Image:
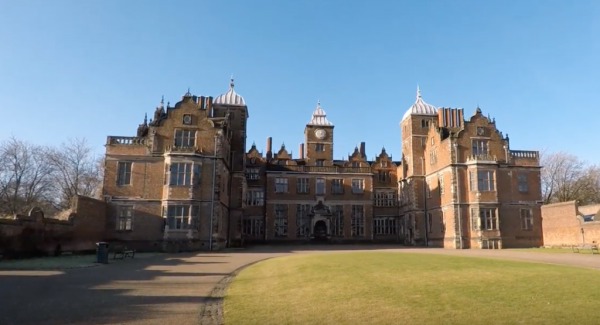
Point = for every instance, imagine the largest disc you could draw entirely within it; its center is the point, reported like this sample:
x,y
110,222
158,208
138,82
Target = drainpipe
x,y
460,233
212,200
425,202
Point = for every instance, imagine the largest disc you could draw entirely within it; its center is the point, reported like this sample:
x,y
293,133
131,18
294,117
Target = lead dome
x,y
420,107
230,97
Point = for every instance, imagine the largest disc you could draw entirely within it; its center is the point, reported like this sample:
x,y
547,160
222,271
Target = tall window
x,y
281,185
337,220
125,218
441,183
302,221
428,189
479,147
302,186
181,174
337,186
124,173
320,186
383,176
384,226
442,222
526,219
178,217
522,183
252,226
482,180
429,222
319,147
185,138
484,219
358,220
255,197
358,185
281,220
253,173
385,198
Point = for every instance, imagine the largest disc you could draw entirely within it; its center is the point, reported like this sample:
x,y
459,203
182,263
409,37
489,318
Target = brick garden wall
x,y
35,234
562,224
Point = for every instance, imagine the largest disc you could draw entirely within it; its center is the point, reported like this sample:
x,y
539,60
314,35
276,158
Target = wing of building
x,y
188,182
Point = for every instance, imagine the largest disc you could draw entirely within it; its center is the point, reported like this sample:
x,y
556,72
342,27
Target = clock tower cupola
x,y
318,139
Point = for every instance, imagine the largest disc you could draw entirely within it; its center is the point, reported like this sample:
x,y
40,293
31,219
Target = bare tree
x,y
565,177
24,176
76,171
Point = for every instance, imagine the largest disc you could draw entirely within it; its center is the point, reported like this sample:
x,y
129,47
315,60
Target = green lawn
x,y
410,288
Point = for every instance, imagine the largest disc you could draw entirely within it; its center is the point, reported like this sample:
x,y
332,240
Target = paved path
x,y
171,289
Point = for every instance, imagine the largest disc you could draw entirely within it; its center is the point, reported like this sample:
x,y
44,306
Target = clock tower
x,y
318,139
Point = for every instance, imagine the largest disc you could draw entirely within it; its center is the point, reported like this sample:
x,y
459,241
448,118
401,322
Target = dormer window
x,y
354,164
384,163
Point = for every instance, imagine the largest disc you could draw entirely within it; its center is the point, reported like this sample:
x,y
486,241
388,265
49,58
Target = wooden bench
x,y
122,253
592,247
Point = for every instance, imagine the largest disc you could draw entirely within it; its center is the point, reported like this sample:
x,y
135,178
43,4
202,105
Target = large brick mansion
x,y
188,181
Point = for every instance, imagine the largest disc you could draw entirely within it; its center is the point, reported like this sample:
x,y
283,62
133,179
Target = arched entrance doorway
x,y
320,230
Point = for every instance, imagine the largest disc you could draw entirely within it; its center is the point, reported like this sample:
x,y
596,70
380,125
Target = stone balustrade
x,y
128,141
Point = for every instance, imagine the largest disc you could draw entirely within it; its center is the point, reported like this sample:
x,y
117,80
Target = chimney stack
x,y
269,148
363,150
301,151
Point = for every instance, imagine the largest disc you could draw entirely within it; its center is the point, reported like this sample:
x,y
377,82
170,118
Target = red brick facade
x,y
188,169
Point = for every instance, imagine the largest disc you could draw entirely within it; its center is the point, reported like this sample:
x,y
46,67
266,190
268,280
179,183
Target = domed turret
x,y
420,107
230,97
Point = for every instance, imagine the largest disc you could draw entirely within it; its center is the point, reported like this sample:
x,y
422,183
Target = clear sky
x,y
72,68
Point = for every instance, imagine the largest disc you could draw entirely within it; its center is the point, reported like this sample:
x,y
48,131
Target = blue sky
x,y
71,68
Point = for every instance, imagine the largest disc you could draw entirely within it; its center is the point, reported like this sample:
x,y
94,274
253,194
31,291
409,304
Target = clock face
x,y
320,133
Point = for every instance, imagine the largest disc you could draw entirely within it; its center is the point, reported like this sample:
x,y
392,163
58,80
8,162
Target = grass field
x,y
410,288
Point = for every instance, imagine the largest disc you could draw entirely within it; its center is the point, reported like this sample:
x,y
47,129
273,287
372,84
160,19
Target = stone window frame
x,y
474,180
253,173
320,162
184,138
188,216
128,181
357,220
303,185
320,186
255,197
526,220
302,220
319,147
358,185
191,173
337,188
252,226
441,183
281,220
337,220
385,198
281,185
383,226
479,146
125,213
480,220
522,182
